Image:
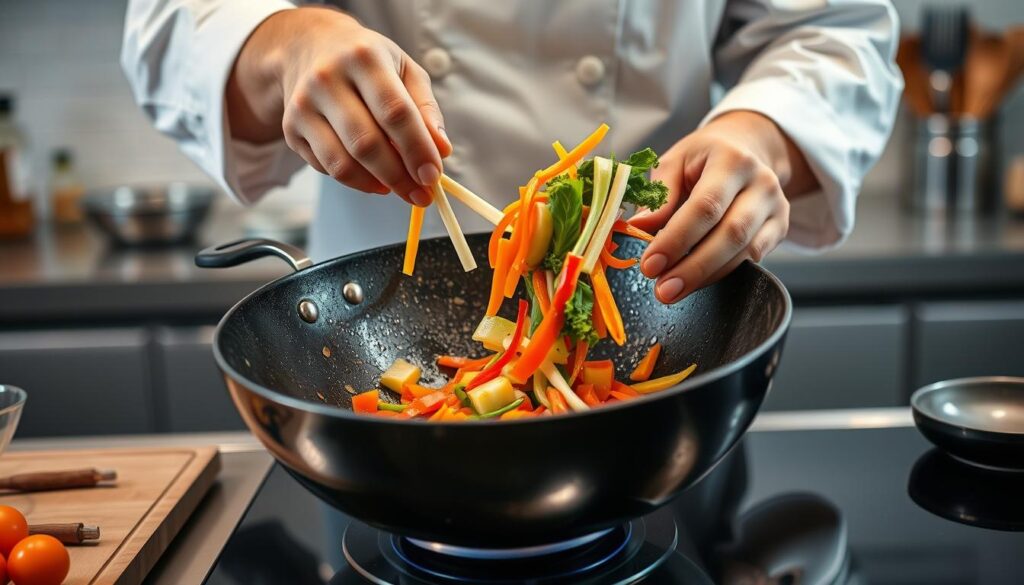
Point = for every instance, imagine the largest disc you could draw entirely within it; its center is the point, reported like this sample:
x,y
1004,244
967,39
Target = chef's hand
x,y
348,100
728,186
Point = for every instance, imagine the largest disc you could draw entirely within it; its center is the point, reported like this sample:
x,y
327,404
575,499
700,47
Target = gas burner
x,y
639,549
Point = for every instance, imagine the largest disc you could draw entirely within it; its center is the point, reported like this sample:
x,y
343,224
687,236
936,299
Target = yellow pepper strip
x,y
561,152
658,384
574,156
412,243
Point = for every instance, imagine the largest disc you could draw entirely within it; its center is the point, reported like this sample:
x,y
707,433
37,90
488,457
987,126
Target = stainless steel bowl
x,y
149,214
976,420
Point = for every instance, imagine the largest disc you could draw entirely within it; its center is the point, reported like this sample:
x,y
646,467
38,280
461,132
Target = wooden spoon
x,y
915,75
986,72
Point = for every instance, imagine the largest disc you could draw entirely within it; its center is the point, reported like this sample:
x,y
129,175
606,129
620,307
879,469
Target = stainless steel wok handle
x,y
244,250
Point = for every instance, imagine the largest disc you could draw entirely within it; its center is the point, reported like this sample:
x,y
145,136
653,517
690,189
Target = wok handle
x,y
244,250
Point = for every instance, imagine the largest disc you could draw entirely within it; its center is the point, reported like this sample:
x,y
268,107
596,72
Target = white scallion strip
x,y
554,378
451,223
602,177
608,216
540,389
471,200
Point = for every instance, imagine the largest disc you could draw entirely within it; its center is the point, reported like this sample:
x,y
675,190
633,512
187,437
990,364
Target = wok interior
x,y
435,312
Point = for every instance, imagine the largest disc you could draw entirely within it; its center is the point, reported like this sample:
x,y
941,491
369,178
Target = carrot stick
x,y
574,156
505,252
600,328
506,220
611,261
540,290
626,228
645,368
558,404
412,242
664,382
560,151
524,229
606,303
579,356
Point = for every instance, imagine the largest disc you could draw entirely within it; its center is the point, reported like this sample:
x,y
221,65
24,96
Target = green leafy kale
x,y
579,324
565,200
640,190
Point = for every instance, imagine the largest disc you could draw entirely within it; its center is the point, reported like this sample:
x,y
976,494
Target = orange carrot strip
x,y
623,227
600,328
645,368
462,363
579,356
622,395
611,261
506,220
606,303
505,252
574,156
561,152
540,290
412,242
587,395
524,230
556,401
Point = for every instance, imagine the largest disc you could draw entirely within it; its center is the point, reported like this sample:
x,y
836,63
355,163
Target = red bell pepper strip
x,y
517,336
425,404
365,403
551,326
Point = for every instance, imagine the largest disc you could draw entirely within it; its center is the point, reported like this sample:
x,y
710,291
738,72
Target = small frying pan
x,y
976,420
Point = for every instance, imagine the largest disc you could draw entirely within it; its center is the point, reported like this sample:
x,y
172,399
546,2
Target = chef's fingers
x,y
376,78
367,143
335,161
761,199
417,81
767,239
720,180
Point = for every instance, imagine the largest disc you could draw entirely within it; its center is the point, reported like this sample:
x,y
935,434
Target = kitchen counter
x,y
76,274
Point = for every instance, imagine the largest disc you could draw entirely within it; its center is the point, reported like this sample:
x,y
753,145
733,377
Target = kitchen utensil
x,y
968,494
944,45
57,480
485,484
915,75
12,400
977,420
953,165
985,74
157,491
149,215
68,533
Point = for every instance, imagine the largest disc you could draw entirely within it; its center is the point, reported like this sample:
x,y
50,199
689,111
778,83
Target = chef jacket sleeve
x,y
177,55
823,71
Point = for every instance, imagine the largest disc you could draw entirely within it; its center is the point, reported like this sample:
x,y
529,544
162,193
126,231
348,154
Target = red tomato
x,y
3,571
39,559
13,528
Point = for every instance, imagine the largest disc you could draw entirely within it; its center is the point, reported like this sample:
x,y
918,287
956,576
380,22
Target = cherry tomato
x,y
13,528
39,559
3,570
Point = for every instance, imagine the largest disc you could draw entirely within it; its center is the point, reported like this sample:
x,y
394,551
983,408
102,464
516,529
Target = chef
x,y
767,113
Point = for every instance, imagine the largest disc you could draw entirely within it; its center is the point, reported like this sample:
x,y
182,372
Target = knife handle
x,y
74,533
56,480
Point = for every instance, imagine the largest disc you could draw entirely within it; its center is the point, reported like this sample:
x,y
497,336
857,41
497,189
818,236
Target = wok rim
x,y
343,413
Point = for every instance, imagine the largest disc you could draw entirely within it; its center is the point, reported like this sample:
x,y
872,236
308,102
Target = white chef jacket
x,y
511,76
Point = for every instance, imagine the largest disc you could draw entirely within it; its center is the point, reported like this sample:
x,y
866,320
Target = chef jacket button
x,y
590,70
437,62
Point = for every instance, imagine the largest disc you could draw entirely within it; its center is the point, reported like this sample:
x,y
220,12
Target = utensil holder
x,y
953,165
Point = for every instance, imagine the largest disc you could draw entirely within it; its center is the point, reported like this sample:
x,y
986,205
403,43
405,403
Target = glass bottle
x,y
65,189
16,217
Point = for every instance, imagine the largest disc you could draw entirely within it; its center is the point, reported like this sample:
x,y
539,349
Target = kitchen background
x,y
88,325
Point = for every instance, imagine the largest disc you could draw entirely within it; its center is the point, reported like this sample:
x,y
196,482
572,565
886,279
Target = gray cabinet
x,y
976,338
193,395
81,381
842,357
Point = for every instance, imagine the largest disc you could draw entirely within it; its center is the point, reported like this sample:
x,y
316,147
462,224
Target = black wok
x,y
289,349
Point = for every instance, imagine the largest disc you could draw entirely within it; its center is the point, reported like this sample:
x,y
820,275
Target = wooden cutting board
x,y
156,491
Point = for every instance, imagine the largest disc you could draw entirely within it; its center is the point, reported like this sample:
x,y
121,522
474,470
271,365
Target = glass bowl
x,y
12,400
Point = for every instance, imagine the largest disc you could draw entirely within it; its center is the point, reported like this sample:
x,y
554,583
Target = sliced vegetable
x,y
565,202
557,402
587,395
499,230
415,391
561,152
622,395
645,367
579,322
506,254
412,242
492,395
399,374
491,371
381,405
540,238
623,227
540,291
426,404
451,224
599,374
608,216
459,362
471,200
460,393
492,331
574,156
658,384
540,389
365,402
559,383
602,182
508,407
613,262
605,303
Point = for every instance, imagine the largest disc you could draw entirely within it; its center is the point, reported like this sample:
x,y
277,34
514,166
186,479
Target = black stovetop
x,y
835,506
